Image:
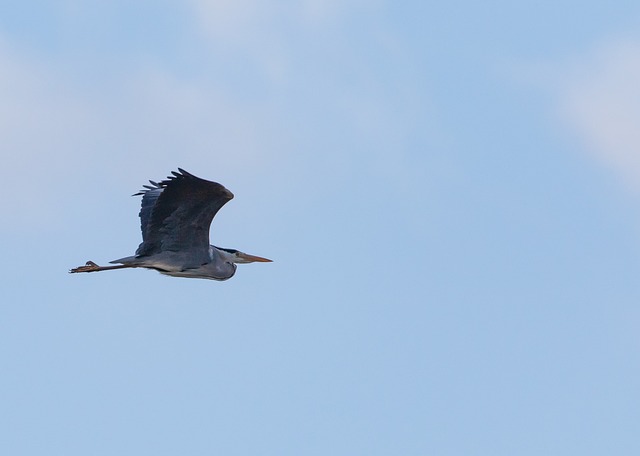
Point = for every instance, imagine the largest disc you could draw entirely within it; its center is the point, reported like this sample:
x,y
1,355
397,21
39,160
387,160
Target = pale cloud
x,y
249,27
311,44
599,99
240,22
234,20
345,111
266,31
42,127
321,10
117,130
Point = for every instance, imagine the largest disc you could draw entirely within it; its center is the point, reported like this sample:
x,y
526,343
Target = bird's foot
x,y
90,266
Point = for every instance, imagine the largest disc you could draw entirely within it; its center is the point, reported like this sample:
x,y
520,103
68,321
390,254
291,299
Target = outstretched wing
x,y
176,213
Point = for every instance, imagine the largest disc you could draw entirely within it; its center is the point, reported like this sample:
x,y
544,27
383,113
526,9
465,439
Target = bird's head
x,y
237,257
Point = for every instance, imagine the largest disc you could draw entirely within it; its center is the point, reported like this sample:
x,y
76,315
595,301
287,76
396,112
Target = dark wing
x,y
176,213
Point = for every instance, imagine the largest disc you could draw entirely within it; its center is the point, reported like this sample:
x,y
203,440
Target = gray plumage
x,y
175,218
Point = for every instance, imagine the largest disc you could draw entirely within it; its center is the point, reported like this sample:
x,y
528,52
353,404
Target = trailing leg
x,y
90,266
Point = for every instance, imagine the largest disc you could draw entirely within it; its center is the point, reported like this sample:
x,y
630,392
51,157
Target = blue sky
x,y
449,192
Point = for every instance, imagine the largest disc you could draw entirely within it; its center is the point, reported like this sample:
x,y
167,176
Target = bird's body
x,y
175,217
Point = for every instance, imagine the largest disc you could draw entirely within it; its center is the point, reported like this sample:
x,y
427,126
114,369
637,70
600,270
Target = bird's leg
x,y
90,266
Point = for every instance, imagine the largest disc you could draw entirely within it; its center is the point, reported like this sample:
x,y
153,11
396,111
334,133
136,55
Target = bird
x,y
175,217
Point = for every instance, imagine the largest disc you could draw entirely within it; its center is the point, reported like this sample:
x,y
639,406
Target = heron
x,y
175,217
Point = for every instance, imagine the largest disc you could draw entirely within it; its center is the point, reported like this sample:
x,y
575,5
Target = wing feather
x,y
176,213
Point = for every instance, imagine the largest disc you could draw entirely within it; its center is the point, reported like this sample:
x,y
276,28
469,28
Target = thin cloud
x,y
148,120
599,99
43,125
340,111
267,32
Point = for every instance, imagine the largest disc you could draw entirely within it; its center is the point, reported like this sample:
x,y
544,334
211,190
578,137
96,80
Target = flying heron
x,y
175,217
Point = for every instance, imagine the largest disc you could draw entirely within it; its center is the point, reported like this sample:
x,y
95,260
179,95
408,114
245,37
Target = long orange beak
x,y
252,258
